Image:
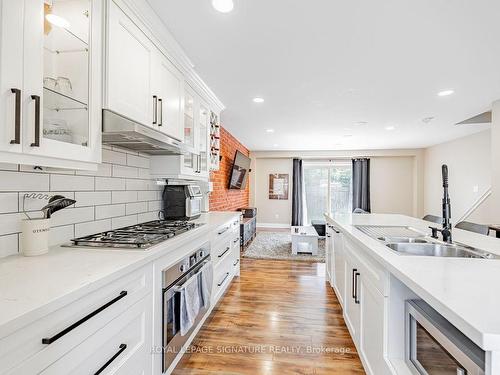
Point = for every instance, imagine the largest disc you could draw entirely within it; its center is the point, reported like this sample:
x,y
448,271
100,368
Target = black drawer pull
x,y
122,347
50,340
155,109
236,240
223,231
356,300
224,279
225,251
160,112
17,120
354,270
235,263
36,98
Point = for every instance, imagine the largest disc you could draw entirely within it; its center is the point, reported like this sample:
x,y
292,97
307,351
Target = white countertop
x,y
464,291
31,287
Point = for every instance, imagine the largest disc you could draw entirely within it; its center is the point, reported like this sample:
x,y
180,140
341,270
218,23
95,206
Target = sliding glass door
x,y
328,188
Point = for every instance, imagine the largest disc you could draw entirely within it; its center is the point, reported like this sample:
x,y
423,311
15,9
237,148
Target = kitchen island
x,y
462,290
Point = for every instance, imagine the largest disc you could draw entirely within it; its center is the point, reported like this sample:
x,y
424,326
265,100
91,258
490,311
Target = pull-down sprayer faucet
x,y
446,231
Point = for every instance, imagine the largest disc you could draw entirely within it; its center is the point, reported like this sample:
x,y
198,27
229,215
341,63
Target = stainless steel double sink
x,y
418,244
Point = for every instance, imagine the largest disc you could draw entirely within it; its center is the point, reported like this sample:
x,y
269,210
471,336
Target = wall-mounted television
x,y
239,172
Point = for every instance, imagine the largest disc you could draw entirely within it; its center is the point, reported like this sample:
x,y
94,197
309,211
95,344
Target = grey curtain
x,y
361,184
297,189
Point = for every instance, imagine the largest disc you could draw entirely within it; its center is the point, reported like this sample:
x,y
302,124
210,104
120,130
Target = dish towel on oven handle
x,y
206,282
190,303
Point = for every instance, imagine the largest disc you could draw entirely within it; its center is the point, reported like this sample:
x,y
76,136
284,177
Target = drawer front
x,y
369,268
121,347
72,324
226,230
235,241
221,251
223,275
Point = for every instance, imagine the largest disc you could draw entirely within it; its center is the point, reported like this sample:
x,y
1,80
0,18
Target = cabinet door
x,y
11,74
62,83
339,274
129,68
204,140
372,346
190,107
328,257
351,305
169,87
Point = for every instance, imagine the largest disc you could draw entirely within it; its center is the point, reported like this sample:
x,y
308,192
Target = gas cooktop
x,y
139,236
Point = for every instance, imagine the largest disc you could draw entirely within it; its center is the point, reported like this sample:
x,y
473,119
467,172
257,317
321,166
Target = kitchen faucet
x,y
446,230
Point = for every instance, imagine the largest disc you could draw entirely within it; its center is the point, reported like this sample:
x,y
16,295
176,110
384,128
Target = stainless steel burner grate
x,y
136,236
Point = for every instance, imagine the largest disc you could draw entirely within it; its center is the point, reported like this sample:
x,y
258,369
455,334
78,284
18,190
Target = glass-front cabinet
x,y
204,123
54,111
190,158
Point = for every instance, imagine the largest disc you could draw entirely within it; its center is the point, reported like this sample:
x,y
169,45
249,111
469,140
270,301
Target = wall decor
x,y
278,186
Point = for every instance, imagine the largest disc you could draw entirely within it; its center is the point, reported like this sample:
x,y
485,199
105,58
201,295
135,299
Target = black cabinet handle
x,y
235,263
236,240
122,347
155,109
160,116
356,300
224,279
223,231
36,98
354,270
17,120
50,340
225,251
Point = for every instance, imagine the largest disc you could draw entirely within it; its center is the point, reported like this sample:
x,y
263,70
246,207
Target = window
x,y
328,188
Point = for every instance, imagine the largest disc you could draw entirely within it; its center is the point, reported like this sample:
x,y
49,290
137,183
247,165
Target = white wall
x,y
469,165
271,211
392,185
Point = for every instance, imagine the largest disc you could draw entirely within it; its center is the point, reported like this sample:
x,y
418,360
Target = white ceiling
x,y
323,65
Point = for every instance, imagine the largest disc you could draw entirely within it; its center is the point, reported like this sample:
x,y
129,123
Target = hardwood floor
x,y
279,317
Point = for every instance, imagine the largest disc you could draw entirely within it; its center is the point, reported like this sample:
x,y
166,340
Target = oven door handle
x,y
179,288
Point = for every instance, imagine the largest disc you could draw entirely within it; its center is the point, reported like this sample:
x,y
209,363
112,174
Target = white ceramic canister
x,y
35,237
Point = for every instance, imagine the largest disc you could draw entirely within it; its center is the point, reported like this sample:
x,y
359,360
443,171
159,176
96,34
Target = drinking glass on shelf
x,y
49,83
64,85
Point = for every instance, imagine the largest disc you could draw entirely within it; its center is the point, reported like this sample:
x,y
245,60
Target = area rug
x,y
278,245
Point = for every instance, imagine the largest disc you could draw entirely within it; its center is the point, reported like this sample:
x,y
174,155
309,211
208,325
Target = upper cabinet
x,y
141,83
129,66
50,81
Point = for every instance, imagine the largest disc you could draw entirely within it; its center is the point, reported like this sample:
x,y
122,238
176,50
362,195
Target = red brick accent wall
x,y
222,198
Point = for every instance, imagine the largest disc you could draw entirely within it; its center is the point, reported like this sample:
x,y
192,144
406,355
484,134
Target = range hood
x,y
118,130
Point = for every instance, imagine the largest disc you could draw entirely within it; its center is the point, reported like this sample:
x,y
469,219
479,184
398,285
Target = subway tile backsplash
x,y
118,194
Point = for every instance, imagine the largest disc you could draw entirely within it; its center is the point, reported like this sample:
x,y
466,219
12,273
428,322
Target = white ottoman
x,y
304,240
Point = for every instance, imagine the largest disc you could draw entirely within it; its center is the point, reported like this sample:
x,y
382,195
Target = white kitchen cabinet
x,y
168,89
142,84
50,78
194,163
352,312
372,343
11,74
339,273
129,64
329,269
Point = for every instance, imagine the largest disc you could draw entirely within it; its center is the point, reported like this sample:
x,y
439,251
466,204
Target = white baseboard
x,y
273,225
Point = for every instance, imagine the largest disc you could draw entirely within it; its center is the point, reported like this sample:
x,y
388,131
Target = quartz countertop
x,y
463,290
31,287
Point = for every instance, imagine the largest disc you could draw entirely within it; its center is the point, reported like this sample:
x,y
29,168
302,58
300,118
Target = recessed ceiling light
x,y
426,120
269,130
347,135
223,6
258,100
390,127
275,145
57,20
445,92
361,123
